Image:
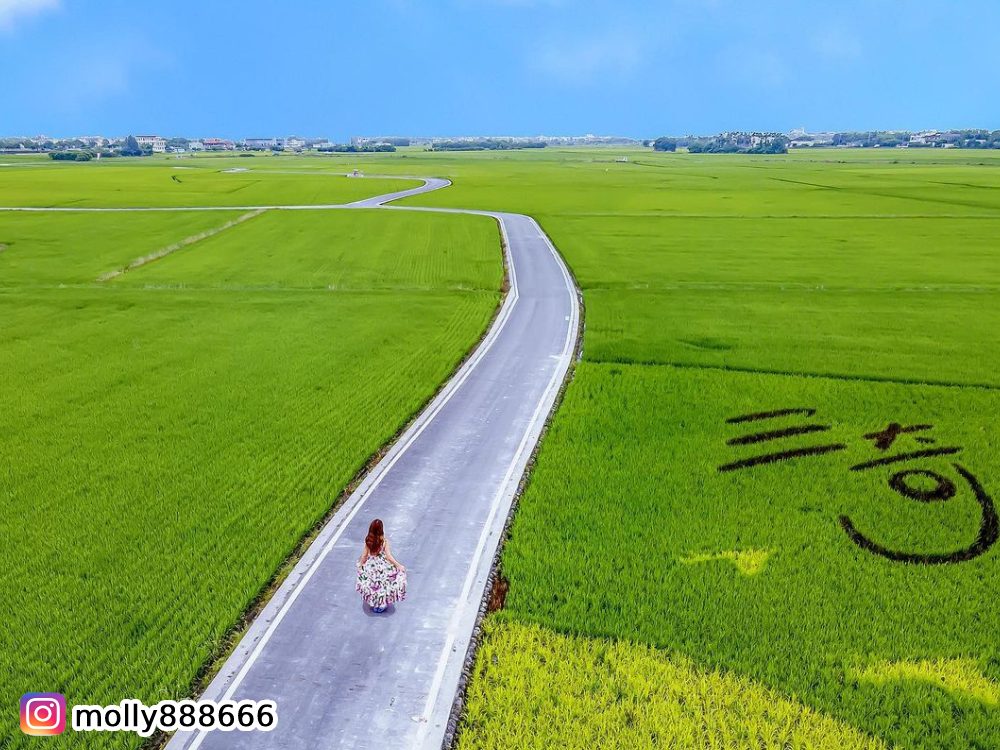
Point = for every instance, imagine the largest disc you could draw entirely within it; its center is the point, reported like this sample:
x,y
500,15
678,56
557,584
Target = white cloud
x,y
14,11
580,60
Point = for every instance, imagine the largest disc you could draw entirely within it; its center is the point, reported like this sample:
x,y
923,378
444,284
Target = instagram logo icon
x,y
43,714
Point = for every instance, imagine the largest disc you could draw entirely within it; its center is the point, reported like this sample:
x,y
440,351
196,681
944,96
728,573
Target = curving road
x,y
343,677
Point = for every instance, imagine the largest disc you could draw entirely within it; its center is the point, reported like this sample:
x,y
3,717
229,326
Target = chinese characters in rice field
x,y
910,480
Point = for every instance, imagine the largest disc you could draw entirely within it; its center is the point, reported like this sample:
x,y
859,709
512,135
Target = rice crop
x,y
634,527
199,182
764,515
75,248
167,439
777,461
343,250
533,688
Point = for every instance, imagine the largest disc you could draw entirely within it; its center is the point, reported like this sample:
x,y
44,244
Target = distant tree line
x,y
978,139
777,143
891,139
24,144
721,145
870,139
485,144
726,143
71,155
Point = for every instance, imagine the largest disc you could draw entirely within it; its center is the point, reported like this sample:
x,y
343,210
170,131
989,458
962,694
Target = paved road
x,y
430,183
343,677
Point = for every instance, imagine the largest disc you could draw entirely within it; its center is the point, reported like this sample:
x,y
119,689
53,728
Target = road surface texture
x,y
343,677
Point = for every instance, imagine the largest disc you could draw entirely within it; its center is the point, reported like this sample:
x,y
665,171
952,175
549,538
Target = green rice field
x,y
629,531
662,594
763,516
191,182
168,435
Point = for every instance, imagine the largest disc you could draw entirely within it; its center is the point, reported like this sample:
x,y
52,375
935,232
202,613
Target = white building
x,y
155,142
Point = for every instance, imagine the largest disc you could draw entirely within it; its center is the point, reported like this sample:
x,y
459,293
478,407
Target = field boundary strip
x,y
163,252
885,194
625,362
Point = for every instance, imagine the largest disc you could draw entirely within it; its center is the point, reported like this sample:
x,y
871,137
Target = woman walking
x,y
381,578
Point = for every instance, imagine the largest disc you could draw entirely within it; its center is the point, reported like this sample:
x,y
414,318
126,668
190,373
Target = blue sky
x,y
456,67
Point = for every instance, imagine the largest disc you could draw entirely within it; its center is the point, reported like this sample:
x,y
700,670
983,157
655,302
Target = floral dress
x,y
380,583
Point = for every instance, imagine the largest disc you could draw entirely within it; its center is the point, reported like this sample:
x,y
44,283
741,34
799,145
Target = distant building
x,y
259,144
154,142
294,144
218,144
932,138
196,145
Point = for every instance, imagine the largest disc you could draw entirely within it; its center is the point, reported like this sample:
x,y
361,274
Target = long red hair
x,y
376,537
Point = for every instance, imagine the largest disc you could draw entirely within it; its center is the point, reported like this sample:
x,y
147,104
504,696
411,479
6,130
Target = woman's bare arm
x,y
364,556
